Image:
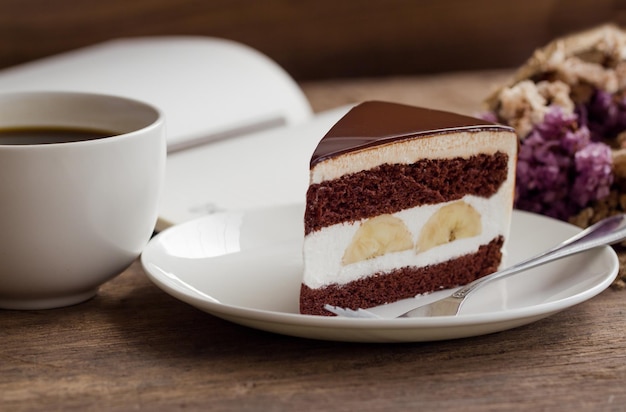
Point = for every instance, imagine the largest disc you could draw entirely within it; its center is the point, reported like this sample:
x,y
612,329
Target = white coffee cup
x,y
73,215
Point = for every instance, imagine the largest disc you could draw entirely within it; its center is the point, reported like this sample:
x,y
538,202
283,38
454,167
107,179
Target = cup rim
x,y
159,117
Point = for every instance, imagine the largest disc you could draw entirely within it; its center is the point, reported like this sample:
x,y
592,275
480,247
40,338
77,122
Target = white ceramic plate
x,y
246,267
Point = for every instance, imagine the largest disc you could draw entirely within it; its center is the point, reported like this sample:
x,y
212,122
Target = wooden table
x,y
133,347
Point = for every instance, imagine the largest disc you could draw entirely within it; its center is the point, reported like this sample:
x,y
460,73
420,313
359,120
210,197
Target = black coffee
x,y
45,135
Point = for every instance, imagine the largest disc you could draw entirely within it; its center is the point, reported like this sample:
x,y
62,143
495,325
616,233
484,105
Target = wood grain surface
x,y
133,347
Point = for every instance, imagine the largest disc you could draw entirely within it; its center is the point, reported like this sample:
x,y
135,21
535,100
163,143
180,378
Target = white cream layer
x,y
324,249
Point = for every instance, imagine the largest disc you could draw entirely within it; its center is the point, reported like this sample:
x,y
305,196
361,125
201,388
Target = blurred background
x,y
315,39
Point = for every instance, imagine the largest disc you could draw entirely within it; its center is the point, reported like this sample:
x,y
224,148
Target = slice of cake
x,y
404,201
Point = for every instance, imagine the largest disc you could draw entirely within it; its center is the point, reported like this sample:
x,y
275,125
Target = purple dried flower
x,y
593,173
556,122
559,169
604,114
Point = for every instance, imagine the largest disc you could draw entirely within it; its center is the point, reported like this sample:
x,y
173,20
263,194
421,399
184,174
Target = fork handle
x,y
607,231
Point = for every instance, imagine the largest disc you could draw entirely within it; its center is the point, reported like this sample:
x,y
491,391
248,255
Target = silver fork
x,y
607,231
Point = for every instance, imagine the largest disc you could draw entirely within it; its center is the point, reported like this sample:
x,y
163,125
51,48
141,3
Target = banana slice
x,y
376,237
454,221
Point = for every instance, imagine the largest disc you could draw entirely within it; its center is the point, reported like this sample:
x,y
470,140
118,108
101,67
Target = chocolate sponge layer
x,y
390,188
403,283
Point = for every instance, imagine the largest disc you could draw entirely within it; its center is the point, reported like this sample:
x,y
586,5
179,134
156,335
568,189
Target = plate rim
x,y
180,290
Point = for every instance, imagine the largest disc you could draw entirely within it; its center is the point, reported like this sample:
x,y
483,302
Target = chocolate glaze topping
x,y
374,123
